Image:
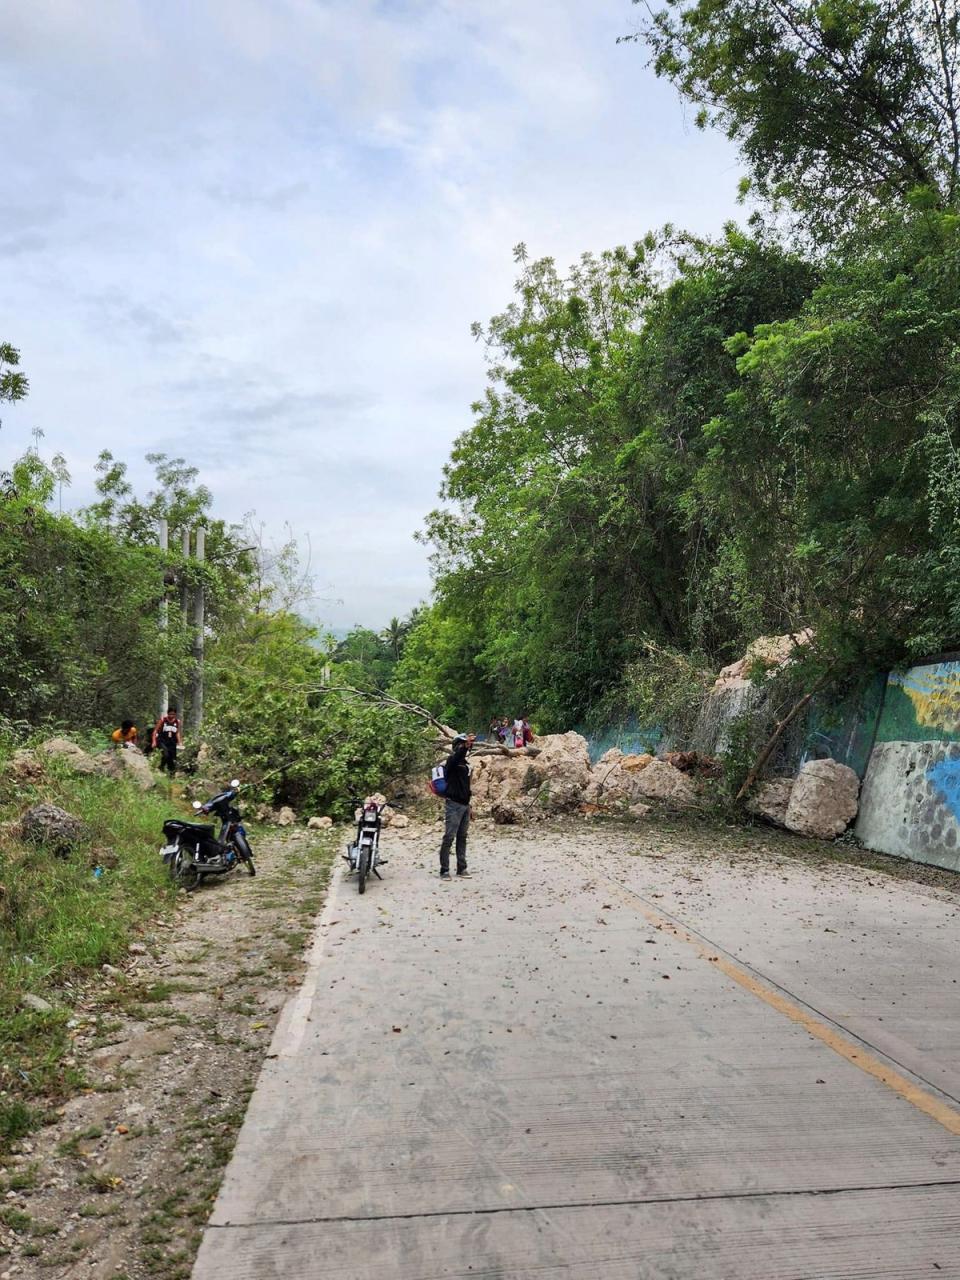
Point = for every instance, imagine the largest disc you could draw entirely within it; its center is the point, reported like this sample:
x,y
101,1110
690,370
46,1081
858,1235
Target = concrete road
x,y
609,1056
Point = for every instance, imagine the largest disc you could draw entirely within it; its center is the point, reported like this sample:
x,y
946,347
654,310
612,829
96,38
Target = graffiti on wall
x,y
910,803
922,704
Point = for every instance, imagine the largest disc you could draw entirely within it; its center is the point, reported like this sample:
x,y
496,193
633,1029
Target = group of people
x,y
165,737
507,734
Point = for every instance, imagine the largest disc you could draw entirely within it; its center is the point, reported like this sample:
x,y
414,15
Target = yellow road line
x,y
855,1053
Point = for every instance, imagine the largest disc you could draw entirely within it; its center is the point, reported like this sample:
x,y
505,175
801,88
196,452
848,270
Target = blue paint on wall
x,y
945,776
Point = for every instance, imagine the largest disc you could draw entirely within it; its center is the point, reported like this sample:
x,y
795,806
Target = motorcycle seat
x,y
201,828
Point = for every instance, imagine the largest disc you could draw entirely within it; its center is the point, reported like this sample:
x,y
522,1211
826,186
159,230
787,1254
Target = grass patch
x,y
16,1120
59,923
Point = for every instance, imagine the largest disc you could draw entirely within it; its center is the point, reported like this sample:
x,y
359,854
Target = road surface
x,y
609,1057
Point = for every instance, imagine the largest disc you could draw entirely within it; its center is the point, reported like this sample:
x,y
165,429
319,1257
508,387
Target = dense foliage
x,y
82,646
839,105
685,444
272,711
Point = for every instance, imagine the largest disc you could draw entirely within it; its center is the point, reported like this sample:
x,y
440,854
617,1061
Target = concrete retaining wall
x,y
910,801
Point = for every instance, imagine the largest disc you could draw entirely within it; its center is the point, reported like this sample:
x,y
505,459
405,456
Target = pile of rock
x,y
514,787
821,801
560,779
51,828
127,762
766,651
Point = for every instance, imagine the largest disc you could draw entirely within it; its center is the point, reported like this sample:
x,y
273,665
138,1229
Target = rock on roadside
x,y
74,757
823,800
50,827
319,824
770,800
36,1003
661,781
128,762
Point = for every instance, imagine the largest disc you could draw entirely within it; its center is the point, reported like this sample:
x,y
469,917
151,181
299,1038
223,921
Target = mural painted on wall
x,y
845,731
922,704
910,804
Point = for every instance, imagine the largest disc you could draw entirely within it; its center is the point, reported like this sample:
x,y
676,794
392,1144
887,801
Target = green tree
x,y
368,656
79,644
439,669
394,635
572,533
269,714
13,382
839,106
832,479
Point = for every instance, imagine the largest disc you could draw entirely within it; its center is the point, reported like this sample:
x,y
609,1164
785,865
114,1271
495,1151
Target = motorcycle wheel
x,y
242,847
171,865
185,873
363,868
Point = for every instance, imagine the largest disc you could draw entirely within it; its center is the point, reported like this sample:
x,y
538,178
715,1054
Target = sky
x,y
254,234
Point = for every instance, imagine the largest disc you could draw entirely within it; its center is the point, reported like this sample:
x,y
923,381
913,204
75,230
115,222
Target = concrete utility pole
x,y
184,605
199,603
163,534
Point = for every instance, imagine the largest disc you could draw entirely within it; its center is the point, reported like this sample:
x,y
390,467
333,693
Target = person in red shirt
x,y
167,736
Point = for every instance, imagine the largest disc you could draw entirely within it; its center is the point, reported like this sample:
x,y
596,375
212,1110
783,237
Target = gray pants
x,y
456,827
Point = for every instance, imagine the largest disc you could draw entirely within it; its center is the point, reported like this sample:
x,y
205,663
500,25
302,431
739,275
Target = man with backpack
x,y
456,773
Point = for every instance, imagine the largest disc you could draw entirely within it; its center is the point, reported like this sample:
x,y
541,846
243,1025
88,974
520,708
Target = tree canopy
x,y
839,106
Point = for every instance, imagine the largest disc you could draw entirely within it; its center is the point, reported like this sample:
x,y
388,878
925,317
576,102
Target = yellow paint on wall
x,y
935,693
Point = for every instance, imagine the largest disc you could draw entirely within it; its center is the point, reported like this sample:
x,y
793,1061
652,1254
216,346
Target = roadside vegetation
x,y
61,920
685,443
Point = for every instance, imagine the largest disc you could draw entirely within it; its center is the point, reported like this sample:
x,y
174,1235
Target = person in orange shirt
x,y
126,735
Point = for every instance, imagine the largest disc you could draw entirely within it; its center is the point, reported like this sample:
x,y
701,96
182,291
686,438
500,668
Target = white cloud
x,y
255,232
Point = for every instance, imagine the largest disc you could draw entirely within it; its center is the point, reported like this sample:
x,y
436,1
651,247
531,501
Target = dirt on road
x,y
171,1046
122,1184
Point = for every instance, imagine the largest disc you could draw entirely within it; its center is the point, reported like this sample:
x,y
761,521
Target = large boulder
x,y
74,757
823,799
26,766
770,652
621,781
497,777
770,800
50,827
129,763
661,781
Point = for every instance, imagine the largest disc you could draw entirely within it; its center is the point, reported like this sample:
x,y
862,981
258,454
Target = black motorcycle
x,y
194,850
363,852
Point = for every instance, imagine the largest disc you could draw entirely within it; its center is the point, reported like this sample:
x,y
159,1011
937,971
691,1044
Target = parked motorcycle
x,y
194,850
363,852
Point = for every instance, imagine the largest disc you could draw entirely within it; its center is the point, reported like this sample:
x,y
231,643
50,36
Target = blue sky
x,y
255,233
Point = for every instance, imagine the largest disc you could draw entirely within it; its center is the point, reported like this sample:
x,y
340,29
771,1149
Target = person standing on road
x,y
456,771
167,735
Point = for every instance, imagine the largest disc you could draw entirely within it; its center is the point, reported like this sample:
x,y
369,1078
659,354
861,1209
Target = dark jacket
x,y
457,773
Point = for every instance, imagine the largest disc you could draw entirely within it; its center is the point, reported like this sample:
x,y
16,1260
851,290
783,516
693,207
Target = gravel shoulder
x,y
170,1046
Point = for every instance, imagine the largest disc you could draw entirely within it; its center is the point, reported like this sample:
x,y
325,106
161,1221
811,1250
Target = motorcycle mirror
x,y
197,804
235,782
